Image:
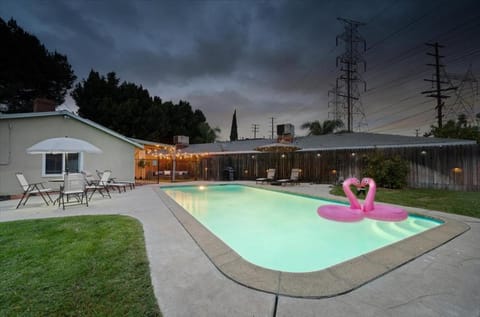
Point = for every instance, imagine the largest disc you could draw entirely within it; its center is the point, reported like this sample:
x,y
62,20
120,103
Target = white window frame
x,y
44,174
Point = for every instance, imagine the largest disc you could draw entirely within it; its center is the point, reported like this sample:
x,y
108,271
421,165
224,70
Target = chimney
x,y
43,105
285,133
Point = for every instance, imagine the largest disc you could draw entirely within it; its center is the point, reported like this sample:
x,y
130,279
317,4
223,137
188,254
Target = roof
x,y
338,141
88,122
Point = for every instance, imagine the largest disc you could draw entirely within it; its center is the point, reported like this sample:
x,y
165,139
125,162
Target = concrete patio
x,y
442,282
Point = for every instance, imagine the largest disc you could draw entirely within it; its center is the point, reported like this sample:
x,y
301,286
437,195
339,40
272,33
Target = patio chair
x,y
100,186
112,184
270,177
294,176
32,189
114,180
74,185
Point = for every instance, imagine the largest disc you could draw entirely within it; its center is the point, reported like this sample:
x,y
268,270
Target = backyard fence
x,y
441,167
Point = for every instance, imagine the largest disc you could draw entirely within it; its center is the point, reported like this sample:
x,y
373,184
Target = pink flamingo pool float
x,y
356,212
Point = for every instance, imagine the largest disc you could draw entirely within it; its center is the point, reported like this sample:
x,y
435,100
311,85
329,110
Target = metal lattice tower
x,y
336,105
350,76
465,99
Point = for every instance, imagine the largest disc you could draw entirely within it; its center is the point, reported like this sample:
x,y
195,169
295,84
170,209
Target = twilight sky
x,y
267,58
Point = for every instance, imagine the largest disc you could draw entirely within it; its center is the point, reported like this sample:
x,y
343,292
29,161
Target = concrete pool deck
x,y
442,282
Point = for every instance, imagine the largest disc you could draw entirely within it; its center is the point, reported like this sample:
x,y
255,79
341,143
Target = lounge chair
x,y
100,186
270,176
112,184
32,189
294,176
121,183
74,185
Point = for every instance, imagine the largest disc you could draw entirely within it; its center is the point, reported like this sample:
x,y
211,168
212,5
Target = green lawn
x,y
75,266
461,203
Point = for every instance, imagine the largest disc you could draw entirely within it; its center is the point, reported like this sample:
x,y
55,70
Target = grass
x,y
75,266
461,203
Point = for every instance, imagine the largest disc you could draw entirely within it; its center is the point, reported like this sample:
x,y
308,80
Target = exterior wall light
x,y
457,170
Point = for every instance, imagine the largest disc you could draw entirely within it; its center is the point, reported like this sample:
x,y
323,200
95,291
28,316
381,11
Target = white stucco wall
x,y
16,135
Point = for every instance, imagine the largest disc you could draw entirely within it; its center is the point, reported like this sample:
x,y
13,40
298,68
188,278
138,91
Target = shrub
x,y
387,172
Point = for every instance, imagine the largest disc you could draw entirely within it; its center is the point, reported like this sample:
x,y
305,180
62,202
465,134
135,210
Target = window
x,y
56,164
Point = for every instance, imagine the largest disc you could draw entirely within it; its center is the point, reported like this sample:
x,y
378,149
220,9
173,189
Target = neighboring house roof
x,y
338,141
365,140
73,116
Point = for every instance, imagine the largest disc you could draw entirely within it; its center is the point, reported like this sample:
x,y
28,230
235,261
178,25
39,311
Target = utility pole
x,y
350,77
437,92
255,128
273,126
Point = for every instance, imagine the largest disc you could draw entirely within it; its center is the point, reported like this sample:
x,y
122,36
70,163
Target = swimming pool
x,y
283,232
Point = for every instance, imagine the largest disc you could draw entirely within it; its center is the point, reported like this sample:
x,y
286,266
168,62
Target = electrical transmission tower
x,y
465,98
337,105
347,83
437,83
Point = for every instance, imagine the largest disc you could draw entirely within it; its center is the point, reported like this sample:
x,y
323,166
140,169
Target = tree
x,y
130,110
327,127
28,70
234,129
460,129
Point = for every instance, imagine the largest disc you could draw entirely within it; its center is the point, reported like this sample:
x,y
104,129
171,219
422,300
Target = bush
x,y
387,172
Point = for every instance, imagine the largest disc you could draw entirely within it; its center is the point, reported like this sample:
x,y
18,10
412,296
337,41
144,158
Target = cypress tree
x,y
233,130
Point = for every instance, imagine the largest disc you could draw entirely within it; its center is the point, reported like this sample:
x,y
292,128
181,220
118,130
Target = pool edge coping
x,y
333,281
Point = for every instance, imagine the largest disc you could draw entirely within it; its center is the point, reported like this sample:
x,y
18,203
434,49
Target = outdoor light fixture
x,y
283,155
423,152
245,171
457,170
253,157
318,154
353,154
334,171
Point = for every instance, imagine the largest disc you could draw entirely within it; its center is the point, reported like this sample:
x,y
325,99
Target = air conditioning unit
x,y
181,140
285,129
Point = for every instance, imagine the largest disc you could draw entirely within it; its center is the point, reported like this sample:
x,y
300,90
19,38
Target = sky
x,y
270,59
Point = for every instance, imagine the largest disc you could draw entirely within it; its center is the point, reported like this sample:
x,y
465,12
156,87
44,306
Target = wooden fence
x,y
445,167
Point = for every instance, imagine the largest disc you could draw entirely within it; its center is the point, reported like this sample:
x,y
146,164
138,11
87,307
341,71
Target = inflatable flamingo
x,y
344,213
380,212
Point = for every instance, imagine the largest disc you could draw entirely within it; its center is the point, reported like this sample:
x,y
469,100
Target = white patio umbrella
x,y
63,145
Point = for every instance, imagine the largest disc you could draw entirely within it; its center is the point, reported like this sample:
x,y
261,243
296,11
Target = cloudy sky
x,y
268,59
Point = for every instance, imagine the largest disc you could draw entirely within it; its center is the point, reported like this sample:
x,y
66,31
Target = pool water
x,y
282,231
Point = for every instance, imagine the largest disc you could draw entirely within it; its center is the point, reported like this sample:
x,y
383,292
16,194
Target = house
x,y
22,130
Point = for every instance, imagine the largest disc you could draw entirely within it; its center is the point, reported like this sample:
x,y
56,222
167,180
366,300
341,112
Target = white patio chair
x,y
294,176
100,186
270,176
112,184
74,185
32,189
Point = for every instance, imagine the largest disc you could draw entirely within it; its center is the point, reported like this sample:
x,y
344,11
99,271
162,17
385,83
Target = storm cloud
x,y
264,58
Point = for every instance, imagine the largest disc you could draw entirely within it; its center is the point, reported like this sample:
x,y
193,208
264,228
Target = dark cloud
x,y
264,58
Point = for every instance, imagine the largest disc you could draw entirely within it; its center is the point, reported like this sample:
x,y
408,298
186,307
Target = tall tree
x,y
28,70
327,127
233,130
130,110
